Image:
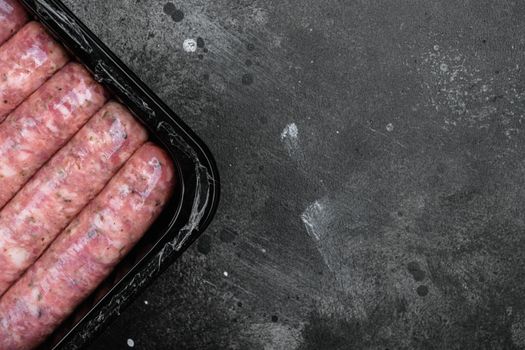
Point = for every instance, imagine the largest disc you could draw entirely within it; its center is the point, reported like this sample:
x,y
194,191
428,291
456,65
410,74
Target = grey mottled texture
x,y
373,172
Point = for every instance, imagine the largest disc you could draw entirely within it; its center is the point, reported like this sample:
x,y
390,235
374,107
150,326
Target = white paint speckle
x,y
263,250
189,45
290,139
290,132
131,343
225,273
146,302
390,127
454,81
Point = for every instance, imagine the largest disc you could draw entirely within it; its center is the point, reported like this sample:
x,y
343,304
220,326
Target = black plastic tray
x,y
185,217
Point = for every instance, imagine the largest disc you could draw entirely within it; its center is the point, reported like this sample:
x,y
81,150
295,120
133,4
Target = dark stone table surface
x,y
372,162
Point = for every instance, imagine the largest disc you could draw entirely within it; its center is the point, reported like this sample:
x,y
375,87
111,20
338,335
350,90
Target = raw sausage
x,y
73,177
27,60
87,251
44,123
12,18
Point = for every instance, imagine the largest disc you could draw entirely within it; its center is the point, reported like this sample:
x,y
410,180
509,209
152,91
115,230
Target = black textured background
x,y
371,153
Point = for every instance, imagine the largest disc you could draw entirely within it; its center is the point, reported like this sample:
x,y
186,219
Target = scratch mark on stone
x,y
240,288
290,138
316,219
311,217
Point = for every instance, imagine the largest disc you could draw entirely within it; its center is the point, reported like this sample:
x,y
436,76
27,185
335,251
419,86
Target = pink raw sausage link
x,y
87,251
12,18
63,187
43,124
27,60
